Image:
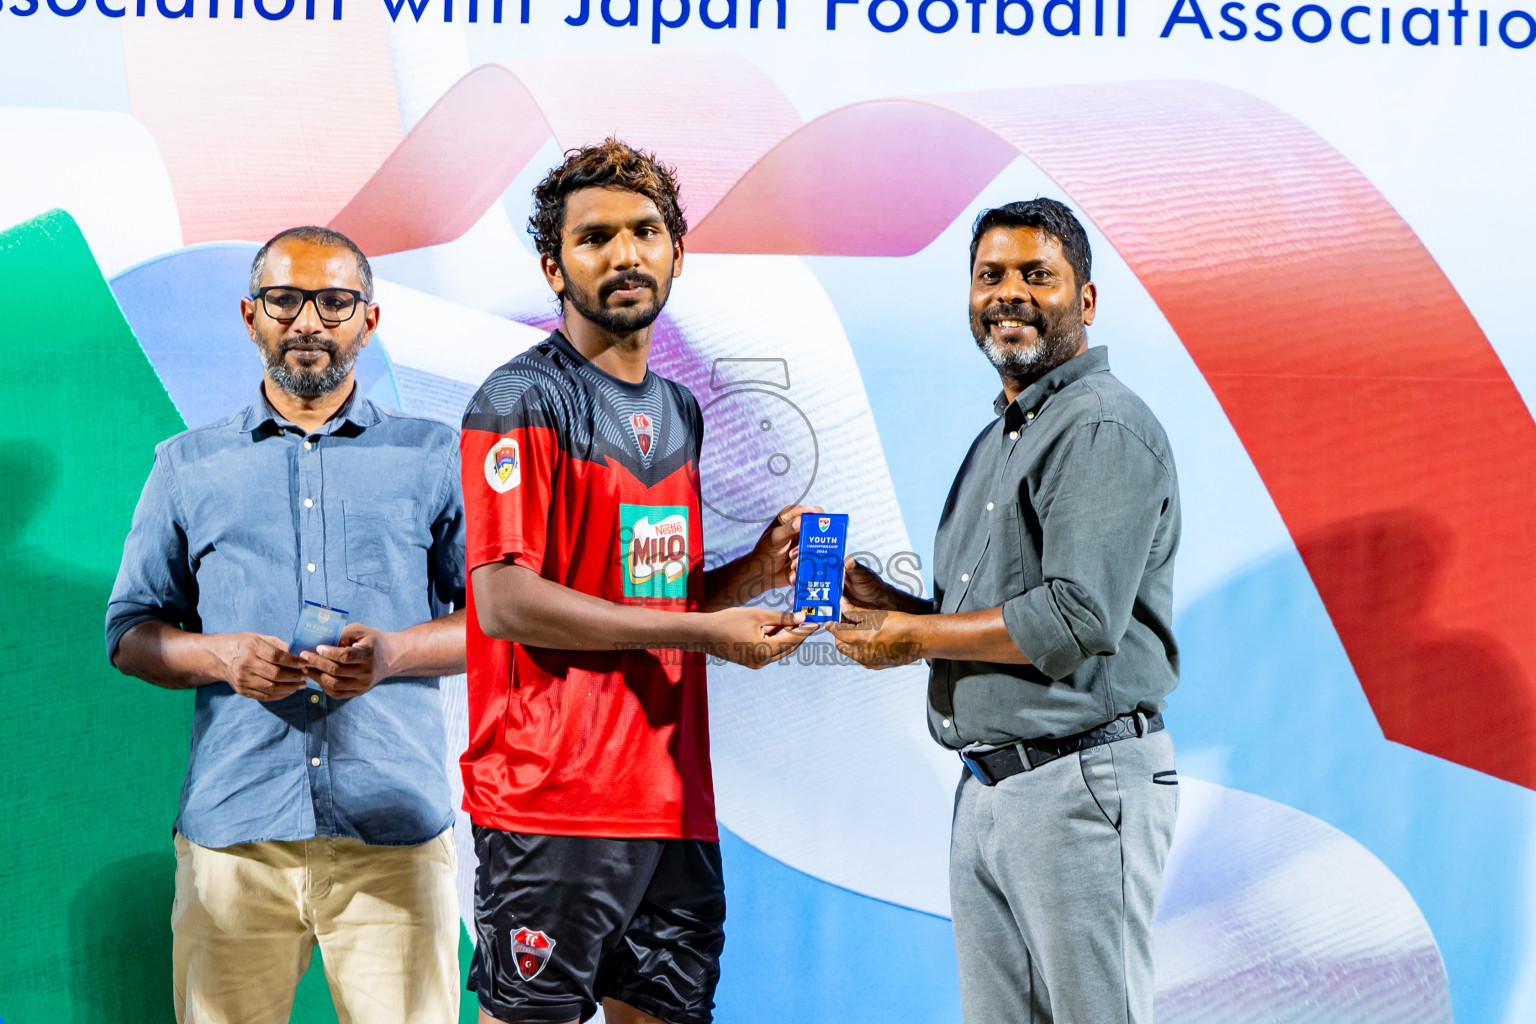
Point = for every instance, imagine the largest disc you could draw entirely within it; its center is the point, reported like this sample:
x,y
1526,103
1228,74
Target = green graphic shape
x,y
643,552
93,761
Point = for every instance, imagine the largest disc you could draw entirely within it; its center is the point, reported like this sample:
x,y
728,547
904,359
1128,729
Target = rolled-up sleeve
x,y
1098,505
447,554
156,579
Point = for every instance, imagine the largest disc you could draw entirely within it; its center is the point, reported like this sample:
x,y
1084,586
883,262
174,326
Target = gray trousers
x,y
1053,878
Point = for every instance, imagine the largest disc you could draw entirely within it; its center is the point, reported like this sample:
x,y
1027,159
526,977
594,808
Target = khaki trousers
x,y
246,919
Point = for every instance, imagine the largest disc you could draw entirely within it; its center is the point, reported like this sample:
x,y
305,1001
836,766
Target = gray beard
x,y
1015,363
1054,345
308,383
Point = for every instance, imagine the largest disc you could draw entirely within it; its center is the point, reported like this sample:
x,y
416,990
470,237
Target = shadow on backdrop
x,y
120,924
96,932
1455,693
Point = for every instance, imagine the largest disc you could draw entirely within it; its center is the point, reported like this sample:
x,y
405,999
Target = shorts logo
x,y
644,432
530,952
653,550
503,467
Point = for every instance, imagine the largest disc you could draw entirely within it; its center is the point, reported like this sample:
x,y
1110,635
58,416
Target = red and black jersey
x,y
591,482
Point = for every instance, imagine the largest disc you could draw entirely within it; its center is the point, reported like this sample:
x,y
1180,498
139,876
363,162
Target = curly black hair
x,y
609,164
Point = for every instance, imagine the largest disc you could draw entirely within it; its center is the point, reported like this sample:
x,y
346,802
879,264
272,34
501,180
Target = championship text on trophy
x,y
819,576
317,625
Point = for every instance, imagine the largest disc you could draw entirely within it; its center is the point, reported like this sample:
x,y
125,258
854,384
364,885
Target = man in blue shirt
x,y
316,804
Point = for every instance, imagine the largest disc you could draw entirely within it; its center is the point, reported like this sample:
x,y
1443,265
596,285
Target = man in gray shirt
x,y
1051,644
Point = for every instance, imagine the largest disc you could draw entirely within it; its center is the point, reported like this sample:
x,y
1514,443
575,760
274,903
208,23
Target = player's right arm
x,y
515,603
511,458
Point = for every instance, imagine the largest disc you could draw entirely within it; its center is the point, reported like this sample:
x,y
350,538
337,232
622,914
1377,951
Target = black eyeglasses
x,y
333,305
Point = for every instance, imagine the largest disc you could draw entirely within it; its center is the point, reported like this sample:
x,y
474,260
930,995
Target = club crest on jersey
x,y
503,466
530,952
653,550
823,522
645,433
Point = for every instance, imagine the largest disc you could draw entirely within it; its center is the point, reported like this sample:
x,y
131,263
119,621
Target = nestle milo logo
x,y
653,550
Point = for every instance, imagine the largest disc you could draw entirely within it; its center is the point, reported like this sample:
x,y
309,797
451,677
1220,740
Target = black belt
x,y
992,766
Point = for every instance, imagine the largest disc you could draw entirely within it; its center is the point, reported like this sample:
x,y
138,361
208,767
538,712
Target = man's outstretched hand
x,y
864,588
876,637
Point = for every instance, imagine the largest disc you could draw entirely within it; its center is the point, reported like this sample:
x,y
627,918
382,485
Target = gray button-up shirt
x,y
1065,514
243,520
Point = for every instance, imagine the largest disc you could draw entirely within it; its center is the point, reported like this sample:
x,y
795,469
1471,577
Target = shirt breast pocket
x,y
1001,573
383,541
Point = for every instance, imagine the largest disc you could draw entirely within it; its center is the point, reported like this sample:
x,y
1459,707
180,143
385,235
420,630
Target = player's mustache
x,y
1028,314
627,279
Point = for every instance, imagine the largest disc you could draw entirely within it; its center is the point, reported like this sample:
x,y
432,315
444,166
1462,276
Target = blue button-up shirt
x,y
242,521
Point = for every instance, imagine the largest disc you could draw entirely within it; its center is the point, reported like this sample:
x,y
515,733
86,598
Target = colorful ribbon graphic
x,y
1388,433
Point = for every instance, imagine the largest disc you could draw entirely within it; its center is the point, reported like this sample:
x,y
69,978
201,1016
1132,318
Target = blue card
x,y
819,577
317,625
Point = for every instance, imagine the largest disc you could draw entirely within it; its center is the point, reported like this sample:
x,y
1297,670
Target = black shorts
x,y
563,921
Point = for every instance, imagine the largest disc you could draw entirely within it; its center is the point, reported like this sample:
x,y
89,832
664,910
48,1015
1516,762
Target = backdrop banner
x,y
1309,248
